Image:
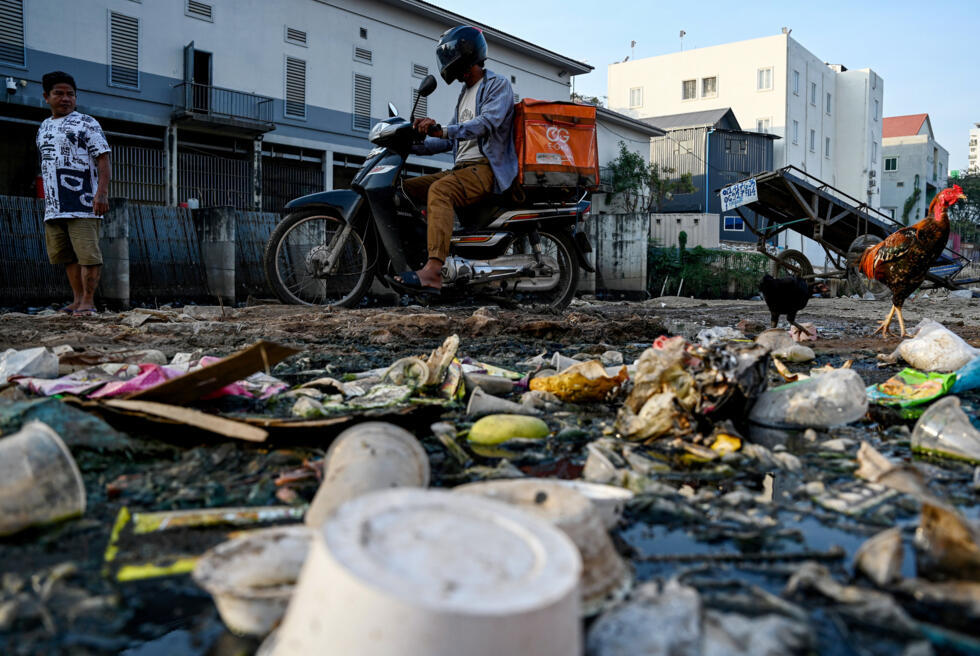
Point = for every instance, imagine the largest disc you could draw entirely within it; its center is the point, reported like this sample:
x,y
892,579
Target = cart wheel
x,y
859,283
791,263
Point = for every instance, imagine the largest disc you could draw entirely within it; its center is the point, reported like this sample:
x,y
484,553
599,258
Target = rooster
x,y
788,296
904,258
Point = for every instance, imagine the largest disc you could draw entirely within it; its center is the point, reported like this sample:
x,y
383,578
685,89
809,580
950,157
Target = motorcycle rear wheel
x,y
556,244
291,254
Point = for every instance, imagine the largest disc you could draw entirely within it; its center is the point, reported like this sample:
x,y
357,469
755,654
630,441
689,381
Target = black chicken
x,y
788,296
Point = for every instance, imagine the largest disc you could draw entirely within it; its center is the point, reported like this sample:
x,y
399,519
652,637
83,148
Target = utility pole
x,y
682,40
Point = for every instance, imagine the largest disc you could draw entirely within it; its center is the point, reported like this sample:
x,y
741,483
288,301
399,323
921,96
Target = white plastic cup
x,y
252,577
945,430
609,500
482,404
364,458
606,578
410,572
39,480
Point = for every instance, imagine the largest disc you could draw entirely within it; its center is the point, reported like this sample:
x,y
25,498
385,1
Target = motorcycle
x,y
332,245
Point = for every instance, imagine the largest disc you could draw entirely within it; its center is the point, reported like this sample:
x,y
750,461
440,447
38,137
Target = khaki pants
x,y
442,192
71,240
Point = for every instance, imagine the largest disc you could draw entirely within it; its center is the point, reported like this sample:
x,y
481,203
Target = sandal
x,y
85,312
410,284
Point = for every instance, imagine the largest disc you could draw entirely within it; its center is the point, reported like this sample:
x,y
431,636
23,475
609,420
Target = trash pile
x,y
723,495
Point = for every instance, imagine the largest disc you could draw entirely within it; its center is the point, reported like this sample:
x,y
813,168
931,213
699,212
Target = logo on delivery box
x,y
557,136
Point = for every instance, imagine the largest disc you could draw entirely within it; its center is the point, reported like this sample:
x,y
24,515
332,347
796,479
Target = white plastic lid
x,y
450,552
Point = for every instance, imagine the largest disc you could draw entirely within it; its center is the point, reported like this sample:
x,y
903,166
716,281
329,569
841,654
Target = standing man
x,y
482,139
76,171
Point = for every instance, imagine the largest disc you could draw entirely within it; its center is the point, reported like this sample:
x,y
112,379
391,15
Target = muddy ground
x,y
83,610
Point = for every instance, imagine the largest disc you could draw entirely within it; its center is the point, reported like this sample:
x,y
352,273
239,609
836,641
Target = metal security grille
x,y
124,50
139,174
295,87
12,32
418,70
201,10
295,36
362,55
423,107
283,180
214,180
362,102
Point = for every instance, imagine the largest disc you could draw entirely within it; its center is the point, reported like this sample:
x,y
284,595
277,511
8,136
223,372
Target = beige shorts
x,y
73,240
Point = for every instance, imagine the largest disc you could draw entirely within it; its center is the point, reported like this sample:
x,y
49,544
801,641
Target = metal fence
x,y
165,255
284,180
252,230
214,180
25,274
139,174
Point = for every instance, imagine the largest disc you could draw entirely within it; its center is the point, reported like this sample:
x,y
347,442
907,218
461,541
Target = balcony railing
x,y
203,101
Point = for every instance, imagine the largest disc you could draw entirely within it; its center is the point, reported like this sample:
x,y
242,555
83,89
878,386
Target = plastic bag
x,y
37,362
832,399
934,348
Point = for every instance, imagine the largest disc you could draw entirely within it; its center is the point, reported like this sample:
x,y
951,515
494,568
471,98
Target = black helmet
x,y
457,51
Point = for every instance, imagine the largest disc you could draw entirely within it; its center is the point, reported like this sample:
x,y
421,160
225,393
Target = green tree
x,y
964,216
662,185
629,175
588,100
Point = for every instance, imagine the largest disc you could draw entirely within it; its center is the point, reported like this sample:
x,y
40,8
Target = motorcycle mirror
x,y
392,111
428,85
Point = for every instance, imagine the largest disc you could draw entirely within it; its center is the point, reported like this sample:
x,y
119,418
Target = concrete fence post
x,y
114,242
216,233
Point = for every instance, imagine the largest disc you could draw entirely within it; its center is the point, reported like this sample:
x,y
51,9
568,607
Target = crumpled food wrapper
x,y
582,383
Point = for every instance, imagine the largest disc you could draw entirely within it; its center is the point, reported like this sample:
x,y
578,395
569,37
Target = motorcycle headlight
x,y
381,131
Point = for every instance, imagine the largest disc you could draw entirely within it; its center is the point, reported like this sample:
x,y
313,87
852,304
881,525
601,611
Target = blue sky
x,y
925,51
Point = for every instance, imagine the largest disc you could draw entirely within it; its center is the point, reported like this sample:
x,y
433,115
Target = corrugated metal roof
x,y
621,119
902,126
717,118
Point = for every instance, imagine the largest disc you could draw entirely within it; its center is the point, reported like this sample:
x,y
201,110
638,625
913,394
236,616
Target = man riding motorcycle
x,y
482,140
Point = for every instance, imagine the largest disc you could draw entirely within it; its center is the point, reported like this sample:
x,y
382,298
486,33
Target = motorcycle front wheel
x,y
297,258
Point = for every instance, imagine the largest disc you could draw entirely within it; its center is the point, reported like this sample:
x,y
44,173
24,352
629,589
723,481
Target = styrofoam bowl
x,y
606,578
252,577
609,500
410,572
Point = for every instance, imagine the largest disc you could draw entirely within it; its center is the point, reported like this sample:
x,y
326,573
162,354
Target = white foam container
x,y
409,572
609,500
252,577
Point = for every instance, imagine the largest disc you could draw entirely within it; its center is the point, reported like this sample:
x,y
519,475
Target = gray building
x,y
711,147
247,104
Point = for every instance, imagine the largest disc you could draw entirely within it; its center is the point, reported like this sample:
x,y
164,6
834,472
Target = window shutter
x,y
362,102
362,55
418,70
296,36
201,10
422,109
12,32
124,50
295,88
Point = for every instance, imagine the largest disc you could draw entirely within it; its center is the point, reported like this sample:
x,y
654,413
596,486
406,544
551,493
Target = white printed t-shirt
x,y
466,111
68,147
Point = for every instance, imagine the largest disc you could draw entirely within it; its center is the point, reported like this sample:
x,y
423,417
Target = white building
x,y
973,164
829,117
915,167
192,92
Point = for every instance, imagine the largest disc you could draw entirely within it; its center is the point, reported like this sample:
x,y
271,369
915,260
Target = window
x,y
890,211
900,183
363,55
362,102
124,51
813,141
828,103
826,147
876,110
200,10
422,109
733,145
764,79
296,37
12,50
709,87
891,164
363,32
813,94
513,79
874,153
762,125
636,97
796,83
295,105
734,224
796,132
689,89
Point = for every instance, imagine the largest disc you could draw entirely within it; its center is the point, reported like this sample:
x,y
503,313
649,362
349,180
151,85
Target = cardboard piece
x,y
177,415
196,384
